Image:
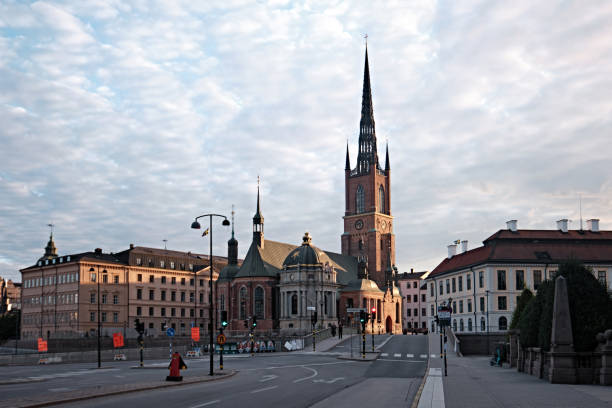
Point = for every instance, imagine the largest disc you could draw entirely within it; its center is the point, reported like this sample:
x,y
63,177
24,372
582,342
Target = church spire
x,y
387,164
50,249
348,160
368,155
258,221
232,245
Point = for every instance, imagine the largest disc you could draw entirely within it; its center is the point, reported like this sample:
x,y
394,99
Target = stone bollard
x,y
605,373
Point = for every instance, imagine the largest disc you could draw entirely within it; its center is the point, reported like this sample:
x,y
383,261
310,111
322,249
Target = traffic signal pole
x,y
372,334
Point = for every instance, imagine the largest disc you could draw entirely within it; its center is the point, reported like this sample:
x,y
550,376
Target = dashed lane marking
x,y
384,354
423,356
410,355
397,355
433,356
264,389
205,404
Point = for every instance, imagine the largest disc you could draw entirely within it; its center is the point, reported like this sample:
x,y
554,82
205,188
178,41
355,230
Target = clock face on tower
x,y
359,224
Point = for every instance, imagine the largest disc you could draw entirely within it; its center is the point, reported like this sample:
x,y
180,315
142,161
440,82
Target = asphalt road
x,y
288,380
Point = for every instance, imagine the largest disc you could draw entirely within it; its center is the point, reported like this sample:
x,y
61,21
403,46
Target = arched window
x,y
460,324
397,312
455,325
259,302
503,323
381,199
243,297
482,324
359,200
294,305
469,324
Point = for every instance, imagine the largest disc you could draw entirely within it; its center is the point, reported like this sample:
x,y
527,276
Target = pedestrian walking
x,y
340,331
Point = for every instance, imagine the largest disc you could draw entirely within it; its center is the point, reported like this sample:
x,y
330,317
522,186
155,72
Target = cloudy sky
x,y
120,121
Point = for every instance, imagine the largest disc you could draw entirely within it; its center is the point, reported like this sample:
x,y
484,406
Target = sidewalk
x,y
472,382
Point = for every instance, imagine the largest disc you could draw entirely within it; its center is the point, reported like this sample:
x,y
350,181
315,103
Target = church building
x,y
282,285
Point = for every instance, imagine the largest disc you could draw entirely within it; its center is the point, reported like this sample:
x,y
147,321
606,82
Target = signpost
x,y
170,334
444,320
313,321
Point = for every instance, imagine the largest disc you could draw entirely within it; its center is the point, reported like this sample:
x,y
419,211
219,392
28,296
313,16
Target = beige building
x,y
62,295
10,296
483,284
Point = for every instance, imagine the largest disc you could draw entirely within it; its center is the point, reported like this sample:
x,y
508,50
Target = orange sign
x,y
117,340
42,345
195,333
221,339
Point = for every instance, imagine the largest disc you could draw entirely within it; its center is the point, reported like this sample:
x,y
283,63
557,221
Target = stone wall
x,y
476,343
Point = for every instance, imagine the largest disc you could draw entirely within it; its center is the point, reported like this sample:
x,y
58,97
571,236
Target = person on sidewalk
x,y
340,330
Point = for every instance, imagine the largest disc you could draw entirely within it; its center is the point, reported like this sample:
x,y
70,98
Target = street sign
x,y
195,333
117,340
221,339
170,332
355,309
311,308
444,314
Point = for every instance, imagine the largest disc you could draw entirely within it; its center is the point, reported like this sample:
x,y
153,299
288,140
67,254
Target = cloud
x,y
121,122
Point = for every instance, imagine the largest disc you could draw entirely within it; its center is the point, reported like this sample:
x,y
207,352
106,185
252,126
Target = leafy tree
x,y
8,324
522,301
590,309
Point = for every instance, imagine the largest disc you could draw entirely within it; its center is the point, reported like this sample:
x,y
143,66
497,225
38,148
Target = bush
x,y
522,301
590,309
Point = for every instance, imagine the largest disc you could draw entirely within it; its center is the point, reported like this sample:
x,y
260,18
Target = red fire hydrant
x,y
176,365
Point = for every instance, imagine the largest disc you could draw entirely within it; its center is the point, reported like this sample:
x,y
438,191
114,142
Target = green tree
x,y
9,325
522,301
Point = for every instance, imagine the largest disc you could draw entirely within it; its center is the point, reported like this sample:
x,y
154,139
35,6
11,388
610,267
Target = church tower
x,y
368,224
258,223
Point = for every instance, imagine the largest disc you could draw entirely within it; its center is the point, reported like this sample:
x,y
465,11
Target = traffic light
x,y
314,318
224,319
362,316
246,324
254,321
373,313
139,326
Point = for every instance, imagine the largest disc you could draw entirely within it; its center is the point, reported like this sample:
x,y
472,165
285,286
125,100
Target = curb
x,y
417,396
21,381
95,394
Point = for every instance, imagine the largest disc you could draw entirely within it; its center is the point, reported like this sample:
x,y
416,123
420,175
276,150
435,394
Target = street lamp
x,y
196,225
97,279
488,346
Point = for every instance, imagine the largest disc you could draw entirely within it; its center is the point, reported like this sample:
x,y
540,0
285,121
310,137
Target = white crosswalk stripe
x,y
397,355
433,356
384,354
423,356
410,355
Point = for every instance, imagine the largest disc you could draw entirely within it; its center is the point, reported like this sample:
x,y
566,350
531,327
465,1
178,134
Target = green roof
x,y
268,262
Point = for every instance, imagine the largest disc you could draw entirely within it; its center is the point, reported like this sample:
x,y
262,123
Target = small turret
x,y
258,223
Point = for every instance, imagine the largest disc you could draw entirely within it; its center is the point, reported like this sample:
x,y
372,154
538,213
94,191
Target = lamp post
x,y
196,225
97,278
487,292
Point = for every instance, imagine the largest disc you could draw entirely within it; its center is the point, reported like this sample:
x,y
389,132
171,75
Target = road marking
x,y
402,361
433,356
383,343
384,354
333,380
61,389
268,377
309,377
205,404
264,389
410,355
397,355
423,356
295,366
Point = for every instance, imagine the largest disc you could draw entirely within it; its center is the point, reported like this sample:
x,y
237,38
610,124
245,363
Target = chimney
x,y
511,225
593,225
464,246
562,225
98,251
131,246
452,250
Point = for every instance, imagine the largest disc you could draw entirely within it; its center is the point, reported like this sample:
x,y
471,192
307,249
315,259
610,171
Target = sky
x,y
120,121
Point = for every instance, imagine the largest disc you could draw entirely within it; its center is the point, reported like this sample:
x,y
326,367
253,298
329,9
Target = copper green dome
x,y
305,255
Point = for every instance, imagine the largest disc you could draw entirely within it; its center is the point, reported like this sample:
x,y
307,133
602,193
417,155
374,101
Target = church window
x,y
381,199
259,302
294,304
243,295
359,200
